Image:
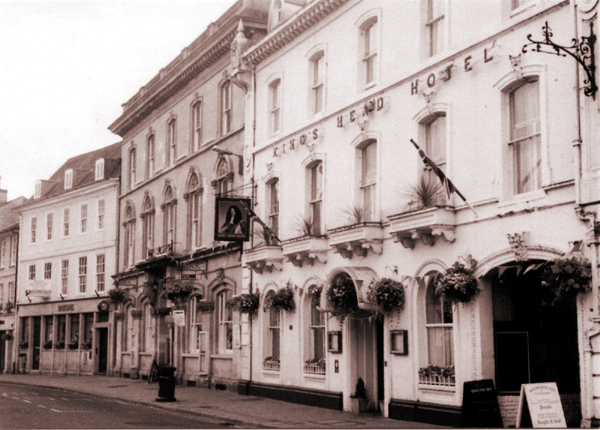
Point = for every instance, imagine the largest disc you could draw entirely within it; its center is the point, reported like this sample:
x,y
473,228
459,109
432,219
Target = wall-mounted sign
x,y
232,219
179,318
307,137
38,293
66,308
103,306
445,74
365,109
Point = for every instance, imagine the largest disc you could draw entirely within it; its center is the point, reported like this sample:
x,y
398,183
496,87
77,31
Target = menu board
x,y
480,405
540,406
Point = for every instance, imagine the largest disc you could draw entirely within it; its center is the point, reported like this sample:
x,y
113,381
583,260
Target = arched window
x,y
224,177
368,180
439,331
272,344
224,322
525,137
129,236
194,200
314,353
148,217
149,328
170,210
315,179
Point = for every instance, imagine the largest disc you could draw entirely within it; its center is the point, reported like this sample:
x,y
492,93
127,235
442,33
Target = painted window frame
x,y
275,91
64,276
317,78
83,269
66,221
100,272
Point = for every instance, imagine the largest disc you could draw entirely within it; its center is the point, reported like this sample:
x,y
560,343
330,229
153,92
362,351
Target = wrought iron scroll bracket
x,y
582,51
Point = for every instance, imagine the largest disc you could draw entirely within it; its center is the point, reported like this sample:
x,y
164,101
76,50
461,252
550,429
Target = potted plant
x,y
425,193
249,302
387,294
359,401
565,277
342,295
458,284
283,299
48,344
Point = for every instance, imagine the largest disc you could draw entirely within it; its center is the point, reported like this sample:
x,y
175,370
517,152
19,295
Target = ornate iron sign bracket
x,y
582,51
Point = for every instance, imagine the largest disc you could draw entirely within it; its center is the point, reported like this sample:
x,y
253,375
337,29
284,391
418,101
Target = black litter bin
x,y
166,384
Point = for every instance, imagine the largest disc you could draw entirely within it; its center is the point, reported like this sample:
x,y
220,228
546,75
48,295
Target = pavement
x,y
226,407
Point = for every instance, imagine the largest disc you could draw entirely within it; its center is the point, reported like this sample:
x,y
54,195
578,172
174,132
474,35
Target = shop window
x,y
61,328
24,330
525,137
88,329
74,332
49,334
225,322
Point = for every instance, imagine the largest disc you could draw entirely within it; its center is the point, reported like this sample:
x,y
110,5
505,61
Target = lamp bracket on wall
x,y
582,51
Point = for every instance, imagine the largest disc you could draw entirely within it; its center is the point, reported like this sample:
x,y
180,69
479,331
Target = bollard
x,y
166,384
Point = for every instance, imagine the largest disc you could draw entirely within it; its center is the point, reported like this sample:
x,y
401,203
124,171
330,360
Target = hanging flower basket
x,y
387,294
282,299
432,370
566,277
458,284
342,295
249,303
314,292
117,295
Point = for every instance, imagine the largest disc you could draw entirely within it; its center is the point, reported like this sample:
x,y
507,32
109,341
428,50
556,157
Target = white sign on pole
x,y
179,318
541,403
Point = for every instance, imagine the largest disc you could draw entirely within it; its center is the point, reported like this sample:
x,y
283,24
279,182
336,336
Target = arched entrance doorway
x,y
533,341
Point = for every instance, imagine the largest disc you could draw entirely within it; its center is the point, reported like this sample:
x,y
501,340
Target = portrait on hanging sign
x,y
232,218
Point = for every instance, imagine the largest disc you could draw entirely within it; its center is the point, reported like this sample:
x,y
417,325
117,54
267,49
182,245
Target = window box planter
x,y
315,367
306,250
425,225
264,258
357,239
271,364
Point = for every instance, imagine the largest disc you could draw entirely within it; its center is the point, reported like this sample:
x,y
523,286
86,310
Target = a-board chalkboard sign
x,y
480,405
540,406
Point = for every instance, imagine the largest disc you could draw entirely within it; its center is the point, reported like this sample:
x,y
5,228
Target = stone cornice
x,y
309,17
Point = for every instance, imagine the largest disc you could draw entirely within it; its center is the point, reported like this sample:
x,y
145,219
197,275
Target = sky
x,y
67,66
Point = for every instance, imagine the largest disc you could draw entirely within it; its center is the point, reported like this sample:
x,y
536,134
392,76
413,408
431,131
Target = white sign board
x,y
541,402
179,318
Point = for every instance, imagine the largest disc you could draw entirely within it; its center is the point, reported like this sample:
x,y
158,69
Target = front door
x,y
364,358
102,349
37,327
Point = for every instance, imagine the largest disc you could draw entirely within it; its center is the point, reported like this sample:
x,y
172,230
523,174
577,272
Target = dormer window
x,y
99,169
68,179
38,190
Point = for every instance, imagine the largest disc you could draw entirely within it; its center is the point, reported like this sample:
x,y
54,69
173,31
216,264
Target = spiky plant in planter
x,y
425,193
356,213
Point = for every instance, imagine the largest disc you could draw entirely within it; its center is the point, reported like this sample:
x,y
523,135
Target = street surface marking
x,y
50,398
55,410
42,406
16,398
27,401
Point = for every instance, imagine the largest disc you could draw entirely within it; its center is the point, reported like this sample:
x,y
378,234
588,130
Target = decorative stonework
x,y
425,225
264,258
517,242
306,250
357,239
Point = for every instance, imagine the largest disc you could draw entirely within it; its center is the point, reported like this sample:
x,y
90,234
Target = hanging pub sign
x,y
232,218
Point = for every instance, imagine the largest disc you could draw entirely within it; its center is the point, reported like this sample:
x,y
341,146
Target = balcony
x,y
157,257
306,250
425,225
266,257
357,239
